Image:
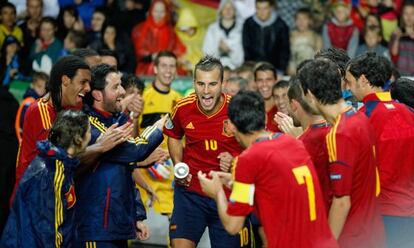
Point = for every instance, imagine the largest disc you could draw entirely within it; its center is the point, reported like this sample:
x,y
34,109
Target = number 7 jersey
x,y
205,135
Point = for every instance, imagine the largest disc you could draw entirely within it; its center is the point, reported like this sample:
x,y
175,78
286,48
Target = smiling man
x,y
201,119
68,84
266,77
110,210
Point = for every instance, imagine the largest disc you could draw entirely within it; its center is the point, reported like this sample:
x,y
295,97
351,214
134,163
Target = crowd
x,y
322,159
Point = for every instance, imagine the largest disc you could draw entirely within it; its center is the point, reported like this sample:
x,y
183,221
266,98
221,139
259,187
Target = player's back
x,y
393,124
351,148
314,139
287,195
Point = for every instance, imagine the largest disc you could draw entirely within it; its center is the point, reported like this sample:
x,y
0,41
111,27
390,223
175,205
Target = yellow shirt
x,y
16,32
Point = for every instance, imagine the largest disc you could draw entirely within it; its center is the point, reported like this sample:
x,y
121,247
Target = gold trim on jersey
x,y
58,182
384,96
183,101
219,110
44,114
242,193
331,141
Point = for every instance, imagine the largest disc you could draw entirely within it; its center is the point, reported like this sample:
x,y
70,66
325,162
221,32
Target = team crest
x,y
168,123
226,131
70,197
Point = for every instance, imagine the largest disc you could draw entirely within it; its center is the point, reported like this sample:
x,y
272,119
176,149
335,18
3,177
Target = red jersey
x,y
271,125
38,120
351,148
314,140
205,136
394,130
277,178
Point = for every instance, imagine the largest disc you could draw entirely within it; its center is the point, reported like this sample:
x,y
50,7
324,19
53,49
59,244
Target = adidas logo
x,y
190,126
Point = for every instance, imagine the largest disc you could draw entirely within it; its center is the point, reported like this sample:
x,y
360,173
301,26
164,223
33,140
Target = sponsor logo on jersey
x,y
336,176
190,126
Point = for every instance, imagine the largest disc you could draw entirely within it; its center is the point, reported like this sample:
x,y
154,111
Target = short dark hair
x,y
337,55
264,66
77,37
84,53
8,5
323,79
295,92
130,80
280,85
271,2
49,19
107,52
164,53
377,70
247,112
209,63
70,126
304,11
403,91
98,81
65,66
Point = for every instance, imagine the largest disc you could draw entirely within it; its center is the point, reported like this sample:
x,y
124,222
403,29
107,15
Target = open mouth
x,y
207,100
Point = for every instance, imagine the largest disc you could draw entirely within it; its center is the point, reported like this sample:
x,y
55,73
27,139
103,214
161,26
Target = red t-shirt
x,y
314,139
394,130
37,123
351,148
205,136
277,178
271,125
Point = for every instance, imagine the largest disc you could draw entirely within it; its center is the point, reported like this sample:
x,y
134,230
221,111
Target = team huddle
x,y
310,171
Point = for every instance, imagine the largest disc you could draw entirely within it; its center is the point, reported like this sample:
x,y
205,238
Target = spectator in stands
x,y
155,34
288,9
389,11
402,42
191,34
304,42
134,13
340,31
86,9
8,23
73,40
118,42
47,48
271,32
224,37
30,27
98,18
9,61
68,19
36,90
372,42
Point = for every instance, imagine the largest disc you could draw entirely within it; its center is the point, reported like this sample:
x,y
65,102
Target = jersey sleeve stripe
x,y
43,107
96,124
331,142
58,181
180,104
41,115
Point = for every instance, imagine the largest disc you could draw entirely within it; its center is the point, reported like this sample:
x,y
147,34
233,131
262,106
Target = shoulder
x,y
186,101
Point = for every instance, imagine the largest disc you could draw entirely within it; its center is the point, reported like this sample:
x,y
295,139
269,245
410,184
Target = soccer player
x,y
313,137
393,124
202,119
42,214
68,84
109,210
159,100
265,76
354,215
275,176
279,93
